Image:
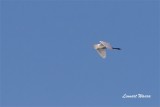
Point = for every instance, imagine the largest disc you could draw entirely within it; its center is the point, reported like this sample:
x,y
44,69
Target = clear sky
x,y
48,60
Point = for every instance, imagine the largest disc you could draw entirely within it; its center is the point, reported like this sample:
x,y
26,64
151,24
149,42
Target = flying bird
x,y
102,46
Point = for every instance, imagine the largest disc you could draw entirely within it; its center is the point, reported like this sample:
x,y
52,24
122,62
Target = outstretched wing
x,y
106,44
102,52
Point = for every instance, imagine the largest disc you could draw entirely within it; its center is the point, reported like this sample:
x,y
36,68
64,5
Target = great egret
x,y
100,48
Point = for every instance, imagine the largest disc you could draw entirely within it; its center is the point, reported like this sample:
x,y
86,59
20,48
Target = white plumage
x,y
101,48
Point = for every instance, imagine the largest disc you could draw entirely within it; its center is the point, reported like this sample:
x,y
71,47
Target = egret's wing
x,y
106,44
102,52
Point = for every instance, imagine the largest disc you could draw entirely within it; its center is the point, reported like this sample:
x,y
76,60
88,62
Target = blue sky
x,y
48,60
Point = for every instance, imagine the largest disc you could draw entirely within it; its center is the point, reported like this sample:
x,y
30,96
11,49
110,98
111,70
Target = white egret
x,y
102,46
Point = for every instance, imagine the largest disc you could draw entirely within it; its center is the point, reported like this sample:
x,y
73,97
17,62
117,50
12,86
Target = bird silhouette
x,y
102,46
